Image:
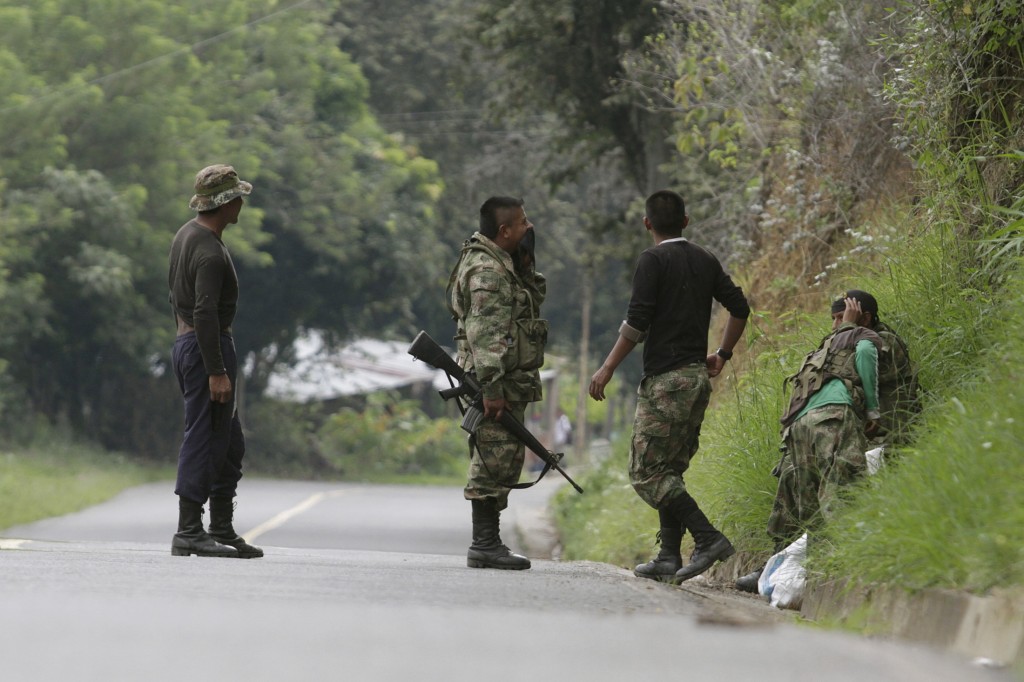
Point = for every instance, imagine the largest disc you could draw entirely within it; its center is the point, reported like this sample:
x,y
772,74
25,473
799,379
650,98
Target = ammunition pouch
x,y
526,345
472,418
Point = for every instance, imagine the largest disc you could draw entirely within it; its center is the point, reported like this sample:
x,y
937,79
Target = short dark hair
x,y
868,304
666,212
489,214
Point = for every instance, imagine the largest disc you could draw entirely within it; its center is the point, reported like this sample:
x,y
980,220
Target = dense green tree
x,y
566,57
107,110
777,109
436,85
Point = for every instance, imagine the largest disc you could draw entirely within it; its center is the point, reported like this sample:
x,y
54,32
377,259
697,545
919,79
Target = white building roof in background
x,y
360,367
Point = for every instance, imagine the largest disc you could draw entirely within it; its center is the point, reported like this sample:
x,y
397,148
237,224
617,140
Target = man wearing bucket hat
x,y
204,295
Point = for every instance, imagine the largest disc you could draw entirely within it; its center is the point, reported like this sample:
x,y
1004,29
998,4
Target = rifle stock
x,y
425,349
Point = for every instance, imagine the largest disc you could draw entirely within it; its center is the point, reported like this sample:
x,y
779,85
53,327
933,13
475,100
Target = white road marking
x,y
288,514
11,543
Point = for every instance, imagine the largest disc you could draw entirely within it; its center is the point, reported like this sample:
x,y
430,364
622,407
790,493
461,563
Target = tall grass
x,y
609,523
731,475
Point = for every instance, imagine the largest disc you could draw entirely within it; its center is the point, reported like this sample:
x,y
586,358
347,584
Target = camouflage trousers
x,y
823,452
496,461
666,432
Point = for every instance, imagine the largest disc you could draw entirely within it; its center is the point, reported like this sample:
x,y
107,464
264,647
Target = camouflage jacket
x,y
499,334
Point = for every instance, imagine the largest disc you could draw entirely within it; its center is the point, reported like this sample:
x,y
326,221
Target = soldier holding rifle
x,y
494,295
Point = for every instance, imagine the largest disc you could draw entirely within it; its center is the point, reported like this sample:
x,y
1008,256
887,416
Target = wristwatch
x,y
724,354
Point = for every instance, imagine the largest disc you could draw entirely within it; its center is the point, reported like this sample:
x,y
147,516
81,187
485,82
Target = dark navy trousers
x,y
210,459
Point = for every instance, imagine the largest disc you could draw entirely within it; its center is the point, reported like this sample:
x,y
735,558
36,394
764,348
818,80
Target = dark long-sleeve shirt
x,y
204,289
673,288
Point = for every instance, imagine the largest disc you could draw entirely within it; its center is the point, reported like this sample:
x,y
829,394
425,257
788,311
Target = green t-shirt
x,y
835,392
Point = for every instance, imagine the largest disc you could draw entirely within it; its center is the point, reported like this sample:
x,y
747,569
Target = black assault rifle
x,y
426,349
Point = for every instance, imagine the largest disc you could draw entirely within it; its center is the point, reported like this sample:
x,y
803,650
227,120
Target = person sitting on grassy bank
x,y
832,412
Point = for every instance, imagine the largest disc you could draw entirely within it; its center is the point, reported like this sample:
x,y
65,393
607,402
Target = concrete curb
x,y
987,627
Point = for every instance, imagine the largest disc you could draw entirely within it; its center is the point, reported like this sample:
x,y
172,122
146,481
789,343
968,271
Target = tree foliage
x,y
564,57
777,108
108,110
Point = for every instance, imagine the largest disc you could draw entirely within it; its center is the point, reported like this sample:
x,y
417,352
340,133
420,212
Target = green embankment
x,y
944,512
59,477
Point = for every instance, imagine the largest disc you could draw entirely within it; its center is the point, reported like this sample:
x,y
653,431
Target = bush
x,y
392,437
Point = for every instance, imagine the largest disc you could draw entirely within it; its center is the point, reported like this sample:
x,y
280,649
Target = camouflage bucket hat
x,y
217,185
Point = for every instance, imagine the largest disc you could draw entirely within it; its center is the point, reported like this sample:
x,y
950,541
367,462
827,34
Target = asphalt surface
x,y
370,582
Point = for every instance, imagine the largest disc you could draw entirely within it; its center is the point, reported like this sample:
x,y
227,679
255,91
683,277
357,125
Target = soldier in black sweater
x,y
674,285
204,295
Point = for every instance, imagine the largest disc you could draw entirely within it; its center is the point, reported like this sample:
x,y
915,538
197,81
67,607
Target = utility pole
x,y
581,439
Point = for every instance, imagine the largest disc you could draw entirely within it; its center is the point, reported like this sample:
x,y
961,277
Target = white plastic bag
x,y
783,579
876,458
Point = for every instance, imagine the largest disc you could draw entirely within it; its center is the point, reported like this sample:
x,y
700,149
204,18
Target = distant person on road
x,y
204,296
495,293
832,412
674,285
562,431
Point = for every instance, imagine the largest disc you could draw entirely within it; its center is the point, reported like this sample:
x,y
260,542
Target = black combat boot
x,y
710,546
222,511
487,550
748,582
191,538
664,566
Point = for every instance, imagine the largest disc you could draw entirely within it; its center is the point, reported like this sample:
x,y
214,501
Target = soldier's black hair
x,y
868,304
489,214
666,211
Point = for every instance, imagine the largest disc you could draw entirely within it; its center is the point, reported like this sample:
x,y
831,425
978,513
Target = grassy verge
x,y
609,523
60,477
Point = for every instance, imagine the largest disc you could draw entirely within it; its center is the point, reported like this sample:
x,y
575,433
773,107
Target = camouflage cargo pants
x,y
824,452
496,460
666,431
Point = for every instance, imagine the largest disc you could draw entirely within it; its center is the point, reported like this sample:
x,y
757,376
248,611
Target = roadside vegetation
x,y
387,438
944,263
59,475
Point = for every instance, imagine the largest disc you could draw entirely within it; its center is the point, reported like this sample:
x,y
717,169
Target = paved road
x,y
370,582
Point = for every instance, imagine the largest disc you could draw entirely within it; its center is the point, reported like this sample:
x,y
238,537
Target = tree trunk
x,y
581,437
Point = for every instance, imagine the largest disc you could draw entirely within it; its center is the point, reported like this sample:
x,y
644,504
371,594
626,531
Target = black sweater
x,y
204,289
673,287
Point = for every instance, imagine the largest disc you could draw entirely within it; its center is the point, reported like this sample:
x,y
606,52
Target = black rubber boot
x,y
748,582
664,566
710,545
487,550
191,538
222,512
